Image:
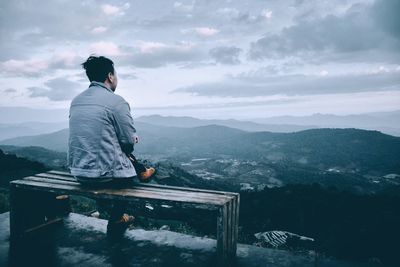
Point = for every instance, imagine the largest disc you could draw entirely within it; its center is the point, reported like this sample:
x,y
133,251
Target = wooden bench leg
x,y
31,211
227,232
16,214
236,225
233,228
221,234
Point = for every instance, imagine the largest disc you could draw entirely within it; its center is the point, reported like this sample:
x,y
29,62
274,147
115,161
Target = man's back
x,y
101,134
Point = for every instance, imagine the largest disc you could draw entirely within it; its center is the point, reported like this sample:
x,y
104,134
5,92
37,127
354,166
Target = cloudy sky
x,y
208,59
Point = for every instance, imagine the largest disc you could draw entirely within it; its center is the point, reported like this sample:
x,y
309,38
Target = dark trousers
x,y
115,209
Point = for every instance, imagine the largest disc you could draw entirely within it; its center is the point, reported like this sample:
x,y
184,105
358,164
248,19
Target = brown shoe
x,y
116,229
145,177
125,219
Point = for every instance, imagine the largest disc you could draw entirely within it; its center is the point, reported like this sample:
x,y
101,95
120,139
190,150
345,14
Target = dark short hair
x,y
98,68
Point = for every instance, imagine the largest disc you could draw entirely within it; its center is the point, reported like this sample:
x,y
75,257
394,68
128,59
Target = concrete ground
x,y
81,241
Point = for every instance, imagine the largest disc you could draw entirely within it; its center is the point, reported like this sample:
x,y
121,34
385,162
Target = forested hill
x,y
13,167
348,148
345,149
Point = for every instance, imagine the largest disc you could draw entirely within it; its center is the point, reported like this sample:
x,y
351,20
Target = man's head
x,y
101,69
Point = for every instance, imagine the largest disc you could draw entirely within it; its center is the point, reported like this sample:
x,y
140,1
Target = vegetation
x,y
344,225
328,184
13,167
51,159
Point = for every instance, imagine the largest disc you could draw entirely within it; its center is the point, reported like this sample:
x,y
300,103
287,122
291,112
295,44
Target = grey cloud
x,y
226,55
223,105
296,85
36,67
273,69
162,56
27,26
81,77
333,36
240,16
386,15
60,63
127,76
58,89
232,20
9,90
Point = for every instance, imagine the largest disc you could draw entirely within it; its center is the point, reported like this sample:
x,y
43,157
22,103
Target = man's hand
x,y
136,139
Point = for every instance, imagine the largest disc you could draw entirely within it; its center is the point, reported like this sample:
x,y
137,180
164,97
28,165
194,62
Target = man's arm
x,y
124,128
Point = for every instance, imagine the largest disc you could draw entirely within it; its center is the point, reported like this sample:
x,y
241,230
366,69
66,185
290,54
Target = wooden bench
x,y
33,204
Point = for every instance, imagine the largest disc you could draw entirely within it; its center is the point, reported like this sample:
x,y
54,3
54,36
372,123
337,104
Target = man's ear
x,y
110,76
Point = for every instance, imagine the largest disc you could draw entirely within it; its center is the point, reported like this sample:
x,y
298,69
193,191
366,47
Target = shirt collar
x,y
94,83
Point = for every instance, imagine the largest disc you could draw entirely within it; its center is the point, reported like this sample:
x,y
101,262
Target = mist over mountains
x,y
187,122
386,122
17,121
15,115
29,128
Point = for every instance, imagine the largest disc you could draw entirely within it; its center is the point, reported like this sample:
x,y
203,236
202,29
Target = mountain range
x,y
250,126
29,128
352,159
386,122
340,148
20,121
337,186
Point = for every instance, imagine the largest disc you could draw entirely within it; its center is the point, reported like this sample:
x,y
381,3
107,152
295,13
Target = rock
x,y
165,227
95,214
281,238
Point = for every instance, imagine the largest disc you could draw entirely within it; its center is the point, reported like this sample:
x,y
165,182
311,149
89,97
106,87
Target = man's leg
x,y
119,208
118,220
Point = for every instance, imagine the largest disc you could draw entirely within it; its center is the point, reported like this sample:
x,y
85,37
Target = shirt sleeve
x,y
124,127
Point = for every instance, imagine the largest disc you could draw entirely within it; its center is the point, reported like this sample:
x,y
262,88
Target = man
x,y
102,136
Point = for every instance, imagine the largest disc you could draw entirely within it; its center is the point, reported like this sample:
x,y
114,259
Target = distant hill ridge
x,y
342,147
22,122
386,122
29,128
54,141
188,122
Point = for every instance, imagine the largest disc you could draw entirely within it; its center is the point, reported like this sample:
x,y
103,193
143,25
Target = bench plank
x,y
151,187
47,180
57,177
156,191
68,175
121,194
